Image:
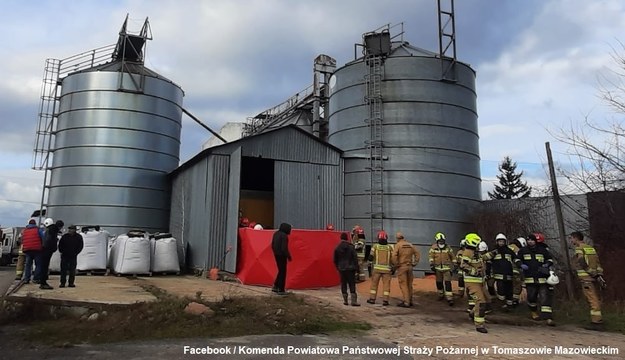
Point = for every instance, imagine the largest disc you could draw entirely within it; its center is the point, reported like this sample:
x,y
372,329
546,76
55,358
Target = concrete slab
x,y
189,286
89,291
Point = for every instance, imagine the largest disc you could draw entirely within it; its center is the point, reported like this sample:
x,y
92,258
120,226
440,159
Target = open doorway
x,y
256,197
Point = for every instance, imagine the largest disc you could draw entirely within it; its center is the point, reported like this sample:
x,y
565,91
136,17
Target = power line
x,y
20,201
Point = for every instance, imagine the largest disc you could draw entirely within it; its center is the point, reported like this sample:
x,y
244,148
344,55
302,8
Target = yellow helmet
x,y
439,236
473,239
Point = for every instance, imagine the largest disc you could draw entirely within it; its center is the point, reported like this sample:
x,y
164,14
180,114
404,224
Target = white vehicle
x,y
9,243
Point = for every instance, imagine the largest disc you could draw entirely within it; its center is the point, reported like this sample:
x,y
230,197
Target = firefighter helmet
x,y
360,231
540,238
258,227
47,222
382,235
439,236
472,239
482,246
522,241
463,243
330,227
501,236
553,279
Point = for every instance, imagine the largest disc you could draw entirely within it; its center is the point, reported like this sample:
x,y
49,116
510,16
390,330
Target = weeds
x,y
165,318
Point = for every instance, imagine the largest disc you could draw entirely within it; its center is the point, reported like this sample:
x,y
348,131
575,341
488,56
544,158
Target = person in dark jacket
x,y
346,262
50,241
280,248
70,246
536,261
31,246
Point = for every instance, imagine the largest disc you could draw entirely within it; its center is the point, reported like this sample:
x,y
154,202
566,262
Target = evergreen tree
x,y
510,184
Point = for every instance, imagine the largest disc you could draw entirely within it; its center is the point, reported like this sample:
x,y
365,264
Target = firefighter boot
x,y
345,299
355,300
534,315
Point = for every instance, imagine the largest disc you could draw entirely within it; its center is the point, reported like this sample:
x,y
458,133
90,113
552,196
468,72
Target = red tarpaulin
x,y
312,252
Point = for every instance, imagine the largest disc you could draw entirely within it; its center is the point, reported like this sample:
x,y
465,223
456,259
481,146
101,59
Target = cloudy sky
x,y
537,62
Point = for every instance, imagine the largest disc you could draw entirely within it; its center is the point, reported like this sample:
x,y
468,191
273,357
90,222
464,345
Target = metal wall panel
x,y
113,151
286,144
431,177
308,196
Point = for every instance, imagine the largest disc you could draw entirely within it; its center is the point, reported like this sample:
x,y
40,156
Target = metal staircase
x,y
375,143
54,71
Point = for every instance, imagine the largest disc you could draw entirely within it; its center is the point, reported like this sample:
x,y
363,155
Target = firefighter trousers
x,y
476,295
362,270
460,284
443,277
539,300
386,284
504,291
591,291
517,287
405,278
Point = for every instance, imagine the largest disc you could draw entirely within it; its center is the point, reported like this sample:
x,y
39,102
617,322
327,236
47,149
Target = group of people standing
x,y
503,271
37,246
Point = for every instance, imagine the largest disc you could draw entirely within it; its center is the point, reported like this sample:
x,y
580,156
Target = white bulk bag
x,y
164,254
55,262
131,255
94,253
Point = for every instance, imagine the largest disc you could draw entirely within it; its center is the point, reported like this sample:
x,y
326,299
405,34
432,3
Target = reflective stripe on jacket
x,y
381,257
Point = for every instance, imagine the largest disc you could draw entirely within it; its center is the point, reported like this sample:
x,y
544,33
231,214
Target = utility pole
x,y
558,207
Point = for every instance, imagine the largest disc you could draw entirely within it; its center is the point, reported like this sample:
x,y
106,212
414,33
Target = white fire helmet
x,y
501,236
522,241
258,227
482,247
553,278
47,222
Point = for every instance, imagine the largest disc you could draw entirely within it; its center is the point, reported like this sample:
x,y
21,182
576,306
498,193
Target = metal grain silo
x,y
428,139
116,139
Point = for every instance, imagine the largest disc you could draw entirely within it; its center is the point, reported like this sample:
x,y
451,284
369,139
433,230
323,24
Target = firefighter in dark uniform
x,y
502,259
536,262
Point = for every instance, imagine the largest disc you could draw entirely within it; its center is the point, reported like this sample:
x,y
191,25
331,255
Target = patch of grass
x,y
577,312
165,318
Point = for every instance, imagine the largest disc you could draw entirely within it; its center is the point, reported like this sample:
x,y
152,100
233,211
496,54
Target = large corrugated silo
x,y
428,143
117,137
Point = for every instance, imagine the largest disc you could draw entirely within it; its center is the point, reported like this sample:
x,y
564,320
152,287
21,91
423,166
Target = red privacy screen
x,y
311,250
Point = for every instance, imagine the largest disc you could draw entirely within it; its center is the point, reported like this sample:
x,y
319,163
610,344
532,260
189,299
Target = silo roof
x,y
403,48
130,67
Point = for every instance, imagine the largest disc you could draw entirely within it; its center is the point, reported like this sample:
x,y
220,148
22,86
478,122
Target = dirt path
x,y
431,323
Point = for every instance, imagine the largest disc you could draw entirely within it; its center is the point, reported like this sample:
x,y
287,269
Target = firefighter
x,y
502,259
405,257
358,239
472,267
441,259
517,275
463,245
590,275
536,261
21,260
489,282
381,261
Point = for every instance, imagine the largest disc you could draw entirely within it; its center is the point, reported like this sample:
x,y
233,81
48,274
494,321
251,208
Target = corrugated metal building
x,y
284,175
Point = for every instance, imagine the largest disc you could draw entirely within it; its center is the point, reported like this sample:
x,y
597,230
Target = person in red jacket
x,y
32,237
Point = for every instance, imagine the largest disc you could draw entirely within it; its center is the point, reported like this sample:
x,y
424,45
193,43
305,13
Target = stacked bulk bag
x,y
130,253
55,263
164,254
95,250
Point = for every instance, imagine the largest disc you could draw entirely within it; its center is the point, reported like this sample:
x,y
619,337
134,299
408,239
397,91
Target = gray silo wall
x,y
431,173
113,150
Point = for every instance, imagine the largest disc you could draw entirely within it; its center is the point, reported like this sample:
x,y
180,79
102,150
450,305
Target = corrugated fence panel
x,y
307,196
216,217
196,232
